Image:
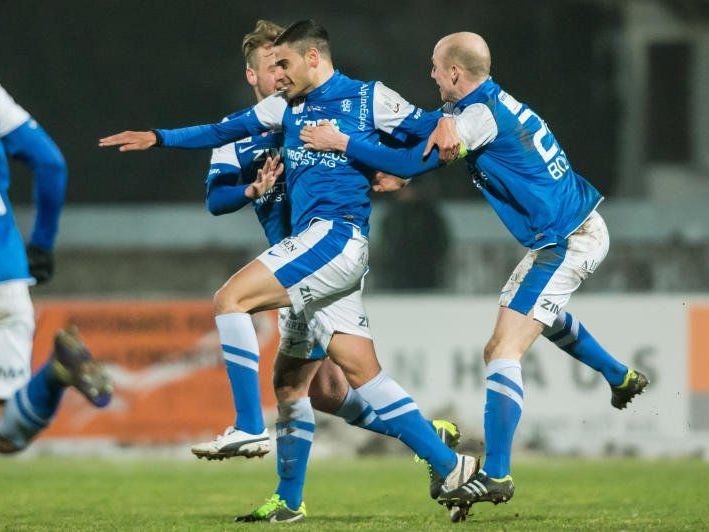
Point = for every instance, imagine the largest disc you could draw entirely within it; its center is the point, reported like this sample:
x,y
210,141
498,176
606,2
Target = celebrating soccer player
x,y
29,402
319,271
525,175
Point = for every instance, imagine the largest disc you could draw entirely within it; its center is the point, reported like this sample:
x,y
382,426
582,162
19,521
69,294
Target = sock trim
x,y
26,409
506,381
394,405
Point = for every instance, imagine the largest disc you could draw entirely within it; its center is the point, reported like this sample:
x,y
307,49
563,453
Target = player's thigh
x,y
16,333
330,257
340,324
543,282
329,387
253,288
292,377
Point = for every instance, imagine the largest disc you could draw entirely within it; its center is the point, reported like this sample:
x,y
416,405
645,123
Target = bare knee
x,y
227,300
328,389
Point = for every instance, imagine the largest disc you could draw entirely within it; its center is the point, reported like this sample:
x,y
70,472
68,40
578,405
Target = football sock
x,y
503,408
572,337
295,428
397,410
356,411
32,407
241,356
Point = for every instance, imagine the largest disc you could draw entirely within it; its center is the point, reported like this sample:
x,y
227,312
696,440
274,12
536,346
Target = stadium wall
x,y
171,387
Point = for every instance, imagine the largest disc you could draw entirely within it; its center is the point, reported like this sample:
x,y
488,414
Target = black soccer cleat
x,y
479,488
634,384
74,366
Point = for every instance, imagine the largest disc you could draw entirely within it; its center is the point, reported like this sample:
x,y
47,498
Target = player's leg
x,y
30,403
295,428
341,323
590,244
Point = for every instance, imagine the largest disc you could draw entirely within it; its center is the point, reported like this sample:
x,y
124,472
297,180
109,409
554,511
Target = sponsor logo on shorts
x,y
551,306
363,321
306,294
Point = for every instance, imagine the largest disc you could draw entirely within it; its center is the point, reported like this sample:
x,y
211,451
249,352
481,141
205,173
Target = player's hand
x,y
445,136
130,140
41,262
323,137
265,178
382,182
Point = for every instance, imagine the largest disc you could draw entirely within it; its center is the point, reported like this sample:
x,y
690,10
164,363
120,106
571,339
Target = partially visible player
x,y
29,402
319,271
235,180
520,168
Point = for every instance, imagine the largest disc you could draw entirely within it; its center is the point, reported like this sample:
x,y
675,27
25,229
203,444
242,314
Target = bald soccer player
x,y
520,168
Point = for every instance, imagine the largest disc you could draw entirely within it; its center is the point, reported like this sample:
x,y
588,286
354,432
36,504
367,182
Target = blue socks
x,y
402,419
241,356
569,335
32,407
295,428
503,409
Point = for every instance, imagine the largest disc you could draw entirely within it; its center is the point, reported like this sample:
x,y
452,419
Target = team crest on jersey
x,y
346,106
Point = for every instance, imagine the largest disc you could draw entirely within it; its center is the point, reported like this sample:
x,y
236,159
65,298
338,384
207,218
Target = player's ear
x,y
251,76
312,57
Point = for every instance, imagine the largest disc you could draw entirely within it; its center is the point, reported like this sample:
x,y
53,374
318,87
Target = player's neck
x,y
465,87
322,76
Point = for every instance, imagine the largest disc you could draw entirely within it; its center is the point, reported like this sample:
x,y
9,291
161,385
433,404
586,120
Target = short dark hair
x,y
264,33
306,34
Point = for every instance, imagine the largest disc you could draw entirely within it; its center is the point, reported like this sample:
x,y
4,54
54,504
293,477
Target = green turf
x,y
376,494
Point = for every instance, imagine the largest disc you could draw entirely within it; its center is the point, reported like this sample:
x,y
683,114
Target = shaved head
x,y
468,51
461,62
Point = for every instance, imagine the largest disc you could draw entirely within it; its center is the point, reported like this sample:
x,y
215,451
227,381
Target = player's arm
x,y
472,129
267,115
395,116
401,162
225,192
31,145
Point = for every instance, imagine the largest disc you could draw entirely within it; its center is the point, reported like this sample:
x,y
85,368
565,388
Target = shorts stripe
x,y
545,265
323,252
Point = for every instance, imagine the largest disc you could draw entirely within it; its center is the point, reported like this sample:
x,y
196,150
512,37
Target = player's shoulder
x,y
12,115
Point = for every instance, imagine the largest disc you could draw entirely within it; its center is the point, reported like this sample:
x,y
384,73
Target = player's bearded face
x,y
292,72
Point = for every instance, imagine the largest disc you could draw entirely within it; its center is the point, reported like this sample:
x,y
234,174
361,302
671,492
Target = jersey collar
x,y
325,87
480,94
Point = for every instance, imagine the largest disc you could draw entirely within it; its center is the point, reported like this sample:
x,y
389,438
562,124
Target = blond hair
x,y
264,33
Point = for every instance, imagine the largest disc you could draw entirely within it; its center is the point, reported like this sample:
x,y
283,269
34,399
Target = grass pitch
x,y
374,494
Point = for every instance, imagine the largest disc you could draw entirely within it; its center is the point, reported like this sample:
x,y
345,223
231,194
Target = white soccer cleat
x,y
466,467
234,443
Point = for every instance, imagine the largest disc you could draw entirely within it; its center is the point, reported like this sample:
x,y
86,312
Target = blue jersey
x,y
23,139
320,185
233,167
515,161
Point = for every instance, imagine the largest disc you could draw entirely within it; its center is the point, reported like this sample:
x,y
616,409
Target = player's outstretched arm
x,y
265,116
30,144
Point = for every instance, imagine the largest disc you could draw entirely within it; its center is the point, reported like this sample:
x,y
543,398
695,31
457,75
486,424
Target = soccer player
x,y
29,402
319,270
525,175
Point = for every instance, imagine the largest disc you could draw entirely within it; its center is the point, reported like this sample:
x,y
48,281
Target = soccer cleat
x,y
450,435
633,384
464,470
274,510
478,488
74,366
233,443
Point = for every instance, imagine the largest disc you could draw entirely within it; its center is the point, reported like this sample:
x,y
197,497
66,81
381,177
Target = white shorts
x,y
322,269
297,339
16,335
545,279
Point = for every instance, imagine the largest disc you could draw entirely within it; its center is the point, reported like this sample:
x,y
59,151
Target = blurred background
x,y
622,84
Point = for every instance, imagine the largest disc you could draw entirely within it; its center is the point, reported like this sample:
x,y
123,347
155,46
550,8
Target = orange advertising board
x,y
166,363
699,349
